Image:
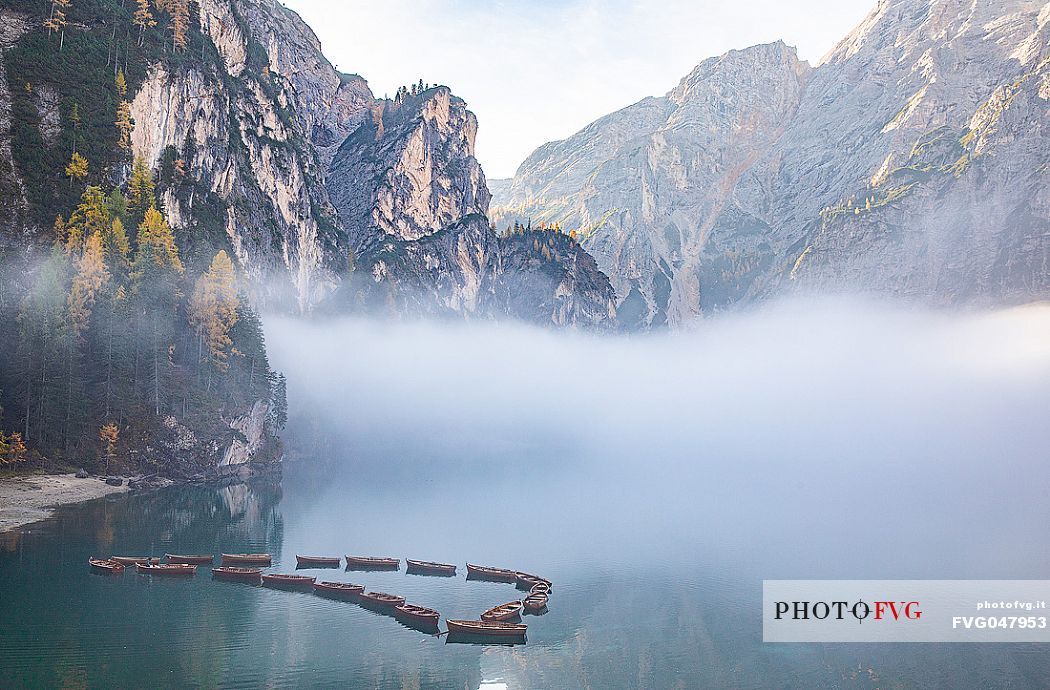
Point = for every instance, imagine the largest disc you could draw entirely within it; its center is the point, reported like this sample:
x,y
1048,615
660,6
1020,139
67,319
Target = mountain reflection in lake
x,y
657,481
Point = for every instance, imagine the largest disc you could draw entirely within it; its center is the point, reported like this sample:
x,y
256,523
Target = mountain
x,y
912,161
166,170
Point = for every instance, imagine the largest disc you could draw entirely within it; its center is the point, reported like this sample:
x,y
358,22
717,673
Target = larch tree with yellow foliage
x,y
143,18
156,233
91,276
77,168
213,309
180,22
141,189
56,22
109,435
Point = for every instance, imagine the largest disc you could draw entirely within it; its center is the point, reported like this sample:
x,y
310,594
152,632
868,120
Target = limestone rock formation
x,y
912,161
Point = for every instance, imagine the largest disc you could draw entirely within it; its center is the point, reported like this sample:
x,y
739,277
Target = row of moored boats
x,y
503,620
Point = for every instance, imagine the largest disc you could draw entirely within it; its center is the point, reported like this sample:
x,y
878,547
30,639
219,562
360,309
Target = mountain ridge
x,y
874,126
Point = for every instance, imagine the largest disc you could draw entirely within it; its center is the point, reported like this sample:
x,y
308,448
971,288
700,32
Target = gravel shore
x,y
24,500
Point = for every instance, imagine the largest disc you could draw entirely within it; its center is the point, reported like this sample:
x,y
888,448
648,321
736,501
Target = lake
x,y
656,482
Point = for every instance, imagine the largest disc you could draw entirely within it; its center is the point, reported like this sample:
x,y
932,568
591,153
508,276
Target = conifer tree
x,y
125,125
213,309
180,21
57,20
143,18
140,190
155,232
77,168
90,277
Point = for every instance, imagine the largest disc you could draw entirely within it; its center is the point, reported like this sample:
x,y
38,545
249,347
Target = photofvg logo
x,y
905,610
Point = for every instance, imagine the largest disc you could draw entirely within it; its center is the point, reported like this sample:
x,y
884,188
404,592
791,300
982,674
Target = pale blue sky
x,y
537,71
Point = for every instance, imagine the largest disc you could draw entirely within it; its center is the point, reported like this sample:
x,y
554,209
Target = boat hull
x,y
288,582
317,562
427,568
505,612
486,628
372,563
246,559
381,600
333,591
107,566
479,572
135,560
188,560
252,575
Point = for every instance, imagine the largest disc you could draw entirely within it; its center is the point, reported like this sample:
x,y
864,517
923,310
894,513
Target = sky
x,y
537,71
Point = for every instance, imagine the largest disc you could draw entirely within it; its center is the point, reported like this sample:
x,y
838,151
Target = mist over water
x,y
832,438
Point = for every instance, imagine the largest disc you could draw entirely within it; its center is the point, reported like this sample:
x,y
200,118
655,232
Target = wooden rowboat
x,y
535,602
169,569
134,560
317,561
190,560
247,558
338,590
490,628
480,572
253,575
430,568
106,565
288,581
418,614
527,581
381,599
503,612
540,588
373,562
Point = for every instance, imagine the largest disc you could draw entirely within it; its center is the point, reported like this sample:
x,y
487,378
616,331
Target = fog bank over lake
x,y
772,435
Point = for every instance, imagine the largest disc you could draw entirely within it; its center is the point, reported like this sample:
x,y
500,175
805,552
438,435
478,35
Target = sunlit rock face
x,y
413,199
256,131
550,280
409,171
322,188
645,185
913,161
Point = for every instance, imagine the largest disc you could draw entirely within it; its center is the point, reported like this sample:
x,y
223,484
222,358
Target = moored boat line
x,y
189,560
253,575
493,623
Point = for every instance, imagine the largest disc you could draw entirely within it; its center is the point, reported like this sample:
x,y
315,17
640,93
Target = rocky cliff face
x,y
644,186
295,167
549,279
413,200
255,130
913,161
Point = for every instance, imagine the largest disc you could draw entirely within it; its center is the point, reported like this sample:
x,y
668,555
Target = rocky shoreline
x,y
29,499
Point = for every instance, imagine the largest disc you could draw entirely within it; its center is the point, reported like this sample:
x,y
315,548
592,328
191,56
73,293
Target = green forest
x,y
127,345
